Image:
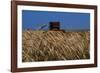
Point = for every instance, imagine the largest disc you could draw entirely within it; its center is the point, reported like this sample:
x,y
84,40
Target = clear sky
x,y
68,20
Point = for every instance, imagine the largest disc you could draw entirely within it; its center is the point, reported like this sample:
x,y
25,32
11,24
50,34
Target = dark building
x,y
54,26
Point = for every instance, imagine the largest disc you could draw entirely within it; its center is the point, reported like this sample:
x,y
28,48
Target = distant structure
x,y
54,26
42,26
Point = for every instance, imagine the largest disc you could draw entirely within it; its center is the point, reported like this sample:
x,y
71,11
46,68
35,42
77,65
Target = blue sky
x,y
68,20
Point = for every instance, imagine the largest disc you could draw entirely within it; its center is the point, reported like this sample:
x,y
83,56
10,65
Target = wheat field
x,y
39,45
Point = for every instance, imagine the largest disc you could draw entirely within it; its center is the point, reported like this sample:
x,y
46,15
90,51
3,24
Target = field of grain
x,y
54,45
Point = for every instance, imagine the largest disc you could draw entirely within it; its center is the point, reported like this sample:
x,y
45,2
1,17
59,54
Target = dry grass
x,y
55,45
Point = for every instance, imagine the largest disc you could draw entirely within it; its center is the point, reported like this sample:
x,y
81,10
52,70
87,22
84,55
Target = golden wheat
x,y
54,45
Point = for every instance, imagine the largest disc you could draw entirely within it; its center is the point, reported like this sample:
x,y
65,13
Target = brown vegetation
x,y
55,45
